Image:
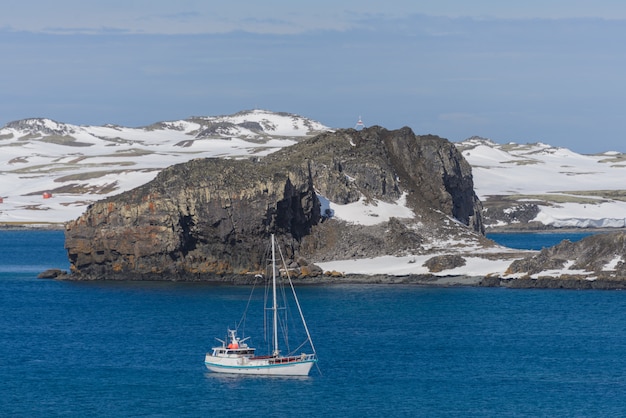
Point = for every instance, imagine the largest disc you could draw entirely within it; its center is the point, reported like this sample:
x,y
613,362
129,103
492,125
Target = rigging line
x,y
265,318
317,366
274,312
284,328
285,317
266,298
293,290
265,276
298,348
245,312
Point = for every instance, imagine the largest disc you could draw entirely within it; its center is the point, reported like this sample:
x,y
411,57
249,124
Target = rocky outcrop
x,y
212,217
600,256
52,274
501,211
444,262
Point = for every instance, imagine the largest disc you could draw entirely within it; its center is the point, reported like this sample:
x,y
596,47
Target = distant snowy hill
x,y
541,184
519,184
77,165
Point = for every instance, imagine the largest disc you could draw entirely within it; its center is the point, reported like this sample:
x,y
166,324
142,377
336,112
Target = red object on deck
x,y
47,195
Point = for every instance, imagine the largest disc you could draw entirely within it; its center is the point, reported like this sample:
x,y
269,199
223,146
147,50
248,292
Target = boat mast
x,y
274,307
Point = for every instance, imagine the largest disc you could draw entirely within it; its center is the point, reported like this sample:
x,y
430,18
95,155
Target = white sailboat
x,y
236,357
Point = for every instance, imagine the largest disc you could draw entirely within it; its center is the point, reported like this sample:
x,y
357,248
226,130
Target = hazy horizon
x,y
539,72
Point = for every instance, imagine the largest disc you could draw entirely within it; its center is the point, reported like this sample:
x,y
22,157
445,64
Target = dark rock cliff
x,y
212,217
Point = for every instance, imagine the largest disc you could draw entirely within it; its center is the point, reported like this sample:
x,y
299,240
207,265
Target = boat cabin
x,y
225,351
235,347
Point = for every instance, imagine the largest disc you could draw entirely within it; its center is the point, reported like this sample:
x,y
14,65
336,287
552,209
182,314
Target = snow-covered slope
x,y
81,164
570,189
78,165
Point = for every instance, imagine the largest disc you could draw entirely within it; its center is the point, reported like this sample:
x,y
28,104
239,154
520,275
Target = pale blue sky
x,y
551,71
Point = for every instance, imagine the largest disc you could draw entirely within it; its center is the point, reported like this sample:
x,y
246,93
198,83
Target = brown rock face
x,y
205,216
213,216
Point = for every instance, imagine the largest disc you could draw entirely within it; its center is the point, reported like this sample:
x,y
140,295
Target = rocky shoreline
x,y
476,281
592,263
571,283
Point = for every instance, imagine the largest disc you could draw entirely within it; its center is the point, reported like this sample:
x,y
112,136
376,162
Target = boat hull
x,y
258,367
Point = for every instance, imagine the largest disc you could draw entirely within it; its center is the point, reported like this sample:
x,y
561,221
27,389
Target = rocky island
x,y
211,217
358,206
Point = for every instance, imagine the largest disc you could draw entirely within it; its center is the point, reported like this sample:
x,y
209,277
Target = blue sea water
x,y
137,348
536,240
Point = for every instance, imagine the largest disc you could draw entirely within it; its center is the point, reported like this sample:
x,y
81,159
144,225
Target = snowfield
x,y
578,191
82,164
367,213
